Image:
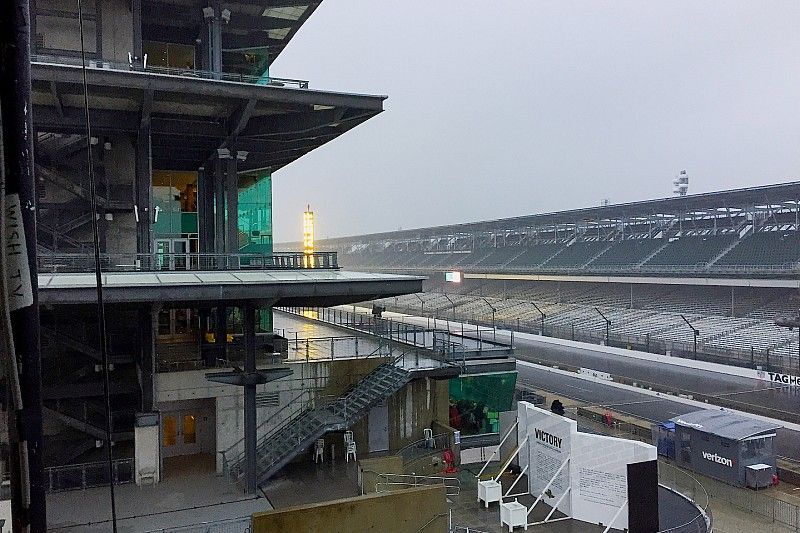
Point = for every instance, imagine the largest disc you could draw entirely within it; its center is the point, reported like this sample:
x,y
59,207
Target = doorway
x,y
378,421
187,431
172,254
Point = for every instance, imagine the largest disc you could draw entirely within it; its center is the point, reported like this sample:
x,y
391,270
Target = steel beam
x,y
232,204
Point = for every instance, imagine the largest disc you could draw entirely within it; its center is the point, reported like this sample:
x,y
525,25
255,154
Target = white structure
x,y
581,474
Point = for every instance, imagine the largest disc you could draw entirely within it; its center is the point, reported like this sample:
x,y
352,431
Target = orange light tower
x,y
308,238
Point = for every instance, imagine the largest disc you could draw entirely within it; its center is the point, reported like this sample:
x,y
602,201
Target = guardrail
x,y
86,475
139,66
763,359
687,486
159,262
231,525
424,447
387,482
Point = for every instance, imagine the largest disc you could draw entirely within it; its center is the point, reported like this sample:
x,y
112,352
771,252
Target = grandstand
x,y
728,261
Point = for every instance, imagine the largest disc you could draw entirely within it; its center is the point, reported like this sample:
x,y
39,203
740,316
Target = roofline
x,y
639,206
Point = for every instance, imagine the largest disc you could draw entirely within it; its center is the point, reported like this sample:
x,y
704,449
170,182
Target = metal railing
x,y
139,66
230,525
387,482
688,487
86,475
158,262
757,358
424,447
233,455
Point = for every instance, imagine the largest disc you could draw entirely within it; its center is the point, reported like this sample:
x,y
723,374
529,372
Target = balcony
x,y
138,66
80,263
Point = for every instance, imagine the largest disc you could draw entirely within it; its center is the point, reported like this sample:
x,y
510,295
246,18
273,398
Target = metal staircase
x,y
298,433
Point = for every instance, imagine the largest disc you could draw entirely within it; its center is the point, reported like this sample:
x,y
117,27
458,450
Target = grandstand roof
x,y
705,203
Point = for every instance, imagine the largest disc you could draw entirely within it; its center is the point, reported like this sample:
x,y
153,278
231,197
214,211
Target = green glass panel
x,y
476,401
255,216
188,222
167,205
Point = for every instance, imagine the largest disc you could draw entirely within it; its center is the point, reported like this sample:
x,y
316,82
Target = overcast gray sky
x,y
507,108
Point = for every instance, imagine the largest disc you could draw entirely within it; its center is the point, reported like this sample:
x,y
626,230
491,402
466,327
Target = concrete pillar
x,y
219,207
232,205
205,210
147,322
143,192
221,333
216,39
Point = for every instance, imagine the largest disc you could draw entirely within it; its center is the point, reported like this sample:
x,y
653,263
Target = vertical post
x,y
219,207
221,332
16,142
250,397
232,205
216,39
143,187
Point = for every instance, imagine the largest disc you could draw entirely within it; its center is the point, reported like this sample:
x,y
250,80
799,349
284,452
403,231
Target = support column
x,y
148,322
216,39
28,500
206,351
221,333
143,192
205,210
219,207
250,398
232,205
136,18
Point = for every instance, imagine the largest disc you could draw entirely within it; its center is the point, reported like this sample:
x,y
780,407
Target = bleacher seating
x,y
629,252
577,254
690,251
765,248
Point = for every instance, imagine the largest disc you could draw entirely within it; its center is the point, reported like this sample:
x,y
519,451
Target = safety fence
x,y
232,525
780,360
87,475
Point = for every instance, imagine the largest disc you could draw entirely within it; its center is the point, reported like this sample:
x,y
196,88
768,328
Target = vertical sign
x,y
18,275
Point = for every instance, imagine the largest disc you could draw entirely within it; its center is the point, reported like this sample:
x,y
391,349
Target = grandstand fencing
x,y
645,331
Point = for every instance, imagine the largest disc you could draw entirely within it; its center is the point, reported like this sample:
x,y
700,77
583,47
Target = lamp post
x,y
452,303
792,323
608,325
541,313
696,333
422,308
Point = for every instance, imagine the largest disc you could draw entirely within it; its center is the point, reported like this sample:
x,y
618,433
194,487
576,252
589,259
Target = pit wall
x,y
414,509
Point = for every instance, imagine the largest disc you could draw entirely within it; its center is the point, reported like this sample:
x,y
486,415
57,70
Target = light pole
x,y
422,308
792,323
452,303
696,333
608,325
541,313
494,330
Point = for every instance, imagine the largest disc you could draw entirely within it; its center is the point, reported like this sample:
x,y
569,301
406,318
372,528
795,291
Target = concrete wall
x,y
414,407
391,512
120,164
172,387
62,33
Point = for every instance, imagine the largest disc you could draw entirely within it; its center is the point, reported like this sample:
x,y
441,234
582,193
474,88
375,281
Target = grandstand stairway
x,y
296,435
725,251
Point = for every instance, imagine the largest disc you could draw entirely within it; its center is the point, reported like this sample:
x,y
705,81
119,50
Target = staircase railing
x,y
294,407
386,482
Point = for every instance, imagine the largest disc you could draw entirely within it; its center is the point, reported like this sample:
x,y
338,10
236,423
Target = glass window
x,y
170,431
163,322
255,215
189,430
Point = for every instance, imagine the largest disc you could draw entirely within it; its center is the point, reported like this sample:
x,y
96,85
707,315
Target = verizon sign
x,y
714,458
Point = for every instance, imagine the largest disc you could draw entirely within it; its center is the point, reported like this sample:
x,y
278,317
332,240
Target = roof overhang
x,y
189,118
255,27
269,288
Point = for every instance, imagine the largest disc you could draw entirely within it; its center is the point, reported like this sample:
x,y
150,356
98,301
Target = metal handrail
x,y
292,403
158,262
139,66
413,480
